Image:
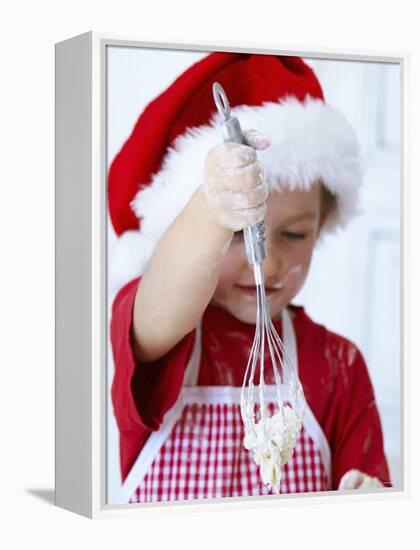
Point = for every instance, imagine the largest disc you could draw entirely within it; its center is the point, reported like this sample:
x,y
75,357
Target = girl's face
x,y
292,221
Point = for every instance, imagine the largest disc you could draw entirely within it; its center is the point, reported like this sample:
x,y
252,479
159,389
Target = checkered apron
x,y
198,452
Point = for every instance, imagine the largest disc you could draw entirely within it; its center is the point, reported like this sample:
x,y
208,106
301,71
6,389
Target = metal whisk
x,y
271,439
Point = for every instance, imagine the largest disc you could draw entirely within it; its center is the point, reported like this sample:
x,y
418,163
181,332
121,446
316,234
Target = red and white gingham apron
x,y
198,452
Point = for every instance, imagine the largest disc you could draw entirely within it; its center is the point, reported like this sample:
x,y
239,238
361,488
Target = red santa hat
x,y
161,164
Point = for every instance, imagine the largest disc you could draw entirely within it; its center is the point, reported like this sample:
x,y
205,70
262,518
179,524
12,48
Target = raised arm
x,y
183,272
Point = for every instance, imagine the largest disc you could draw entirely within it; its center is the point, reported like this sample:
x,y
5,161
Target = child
x,y
181,333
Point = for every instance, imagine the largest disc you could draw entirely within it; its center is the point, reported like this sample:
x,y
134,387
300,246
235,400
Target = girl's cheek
x,y
299,281
297,275
298,258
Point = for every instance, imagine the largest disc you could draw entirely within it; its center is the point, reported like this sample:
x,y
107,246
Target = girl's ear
x,y
328,204
323,216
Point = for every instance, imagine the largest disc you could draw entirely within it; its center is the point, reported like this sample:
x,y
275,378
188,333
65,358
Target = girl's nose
x,y
271,267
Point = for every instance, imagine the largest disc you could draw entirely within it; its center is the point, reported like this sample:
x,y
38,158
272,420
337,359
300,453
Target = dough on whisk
x,y
272,440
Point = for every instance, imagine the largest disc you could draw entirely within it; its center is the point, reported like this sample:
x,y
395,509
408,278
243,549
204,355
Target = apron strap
x,y
193,367
310,422
289,337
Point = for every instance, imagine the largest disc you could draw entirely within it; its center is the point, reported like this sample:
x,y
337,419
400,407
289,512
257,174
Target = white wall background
x,y
354,286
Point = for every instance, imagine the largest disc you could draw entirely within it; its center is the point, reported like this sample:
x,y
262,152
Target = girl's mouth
x,y
252,290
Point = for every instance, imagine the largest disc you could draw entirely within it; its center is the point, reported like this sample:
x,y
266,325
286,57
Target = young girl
x,y
183,326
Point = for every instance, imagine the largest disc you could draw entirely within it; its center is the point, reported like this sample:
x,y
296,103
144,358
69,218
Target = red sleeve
x,y
357,440
141,393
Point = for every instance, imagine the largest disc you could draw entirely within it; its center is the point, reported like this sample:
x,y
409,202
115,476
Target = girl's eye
x,y
293,236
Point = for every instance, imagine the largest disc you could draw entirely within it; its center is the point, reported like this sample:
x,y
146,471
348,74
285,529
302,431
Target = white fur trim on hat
x,y
309,141
128,259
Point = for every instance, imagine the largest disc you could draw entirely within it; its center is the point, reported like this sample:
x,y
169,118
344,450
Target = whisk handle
x,y
254,236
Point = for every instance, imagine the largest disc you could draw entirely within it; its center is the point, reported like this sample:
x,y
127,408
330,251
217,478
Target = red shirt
x,y
333,373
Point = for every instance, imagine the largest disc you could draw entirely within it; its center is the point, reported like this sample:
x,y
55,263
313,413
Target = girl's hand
x,y
354,479
234,186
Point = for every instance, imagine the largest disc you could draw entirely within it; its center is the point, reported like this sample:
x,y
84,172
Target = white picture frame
x,y
81,279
